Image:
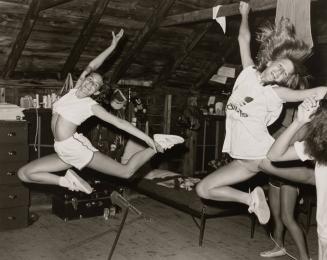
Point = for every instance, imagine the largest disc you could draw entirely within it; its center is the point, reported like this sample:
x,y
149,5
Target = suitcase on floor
x,y
70,205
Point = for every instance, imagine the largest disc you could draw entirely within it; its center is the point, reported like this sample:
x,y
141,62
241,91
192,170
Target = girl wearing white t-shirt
x,y
255,103
74,149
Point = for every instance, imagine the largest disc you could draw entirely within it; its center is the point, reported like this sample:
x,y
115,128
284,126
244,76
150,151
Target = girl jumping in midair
x,y
256,102
75,150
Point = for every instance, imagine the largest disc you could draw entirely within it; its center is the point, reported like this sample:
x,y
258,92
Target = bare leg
x,y
278,230
289,196
39,171
274,203
296,174
215,186
107,165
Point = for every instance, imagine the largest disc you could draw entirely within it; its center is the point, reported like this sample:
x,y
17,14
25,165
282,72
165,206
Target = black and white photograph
x,y
163,129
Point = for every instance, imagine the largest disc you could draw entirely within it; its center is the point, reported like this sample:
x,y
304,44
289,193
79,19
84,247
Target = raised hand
x,y
306,109
244,8
117,37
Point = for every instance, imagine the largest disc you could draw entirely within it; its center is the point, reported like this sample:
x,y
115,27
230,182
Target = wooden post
x,y
2,95
167,114
190,157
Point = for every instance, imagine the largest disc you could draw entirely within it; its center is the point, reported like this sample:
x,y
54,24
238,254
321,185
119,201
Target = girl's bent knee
x,y
21,174
287,220
201,190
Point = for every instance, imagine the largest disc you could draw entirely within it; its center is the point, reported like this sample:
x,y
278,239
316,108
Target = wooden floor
x,y
170,234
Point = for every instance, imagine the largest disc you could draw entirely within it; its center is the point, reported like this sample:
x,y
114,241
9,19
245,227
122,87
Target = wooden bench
x,y
189,202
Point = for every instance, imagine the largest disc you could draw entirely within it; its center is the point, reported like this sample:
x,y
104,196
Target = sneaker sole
x,y
167,141
86,187
270,254
262,206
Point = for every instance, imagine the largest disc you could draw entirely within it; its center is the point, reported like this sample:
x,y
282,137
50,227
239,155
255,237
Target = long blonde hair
x,y
279,42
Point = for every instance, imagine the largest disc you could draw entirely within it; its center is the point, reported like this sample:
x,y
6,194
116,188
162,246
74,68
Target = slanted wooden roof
x,y
169,43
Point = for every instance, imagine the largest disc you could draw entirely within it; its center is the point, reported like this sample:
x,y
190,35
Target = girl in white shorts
x,y
73,149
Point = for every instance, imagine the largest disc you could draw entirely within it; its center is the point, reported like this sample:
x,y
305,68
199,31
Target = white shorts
x,y
77,150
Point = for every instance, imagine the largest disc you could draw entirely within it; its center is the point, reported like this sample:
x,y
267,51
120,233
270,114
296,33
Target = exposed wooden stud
x,y
225,10
167,114
46,4
135,82
196,36
213,67
193,40
2,95
86,33
9,83
152,24
21,38
18,46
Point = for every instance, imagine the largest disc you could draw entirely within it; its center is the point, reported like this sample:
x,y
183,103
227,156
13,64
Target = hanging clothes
x,y
298,12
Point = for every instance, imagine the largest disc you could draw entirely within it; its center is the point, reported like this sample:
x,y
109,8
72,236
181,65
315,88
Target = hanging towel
x,y
298,12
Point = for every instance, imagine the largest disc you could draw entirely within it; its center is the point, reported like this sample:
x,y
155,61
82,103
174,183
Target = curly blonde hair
x,y
280,42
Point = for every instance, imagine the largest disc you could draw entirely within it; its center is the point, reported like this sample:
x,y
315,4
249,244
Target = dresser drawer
x,y
13,196
13,152
8,172
12,218
13,132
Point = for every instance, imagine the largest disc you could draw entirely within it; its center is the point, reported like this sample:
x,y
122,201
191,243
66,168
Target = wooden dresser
x,y
14,197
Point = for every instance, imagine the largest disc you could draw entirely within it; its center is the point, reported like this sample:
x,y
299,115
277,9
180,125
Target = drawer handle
x,y
11,217
12,196
10,173
11,134
12,153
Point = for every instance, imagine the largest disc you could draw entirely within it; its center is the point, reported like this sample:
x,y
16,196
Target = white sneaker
x,y
167,141
274,253
259,205
77,183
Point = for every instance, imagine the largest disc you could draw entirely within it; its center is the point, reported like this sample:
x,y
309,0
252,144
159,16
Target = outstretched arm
x,y
124,125
291,95
244,36
281,149
98,61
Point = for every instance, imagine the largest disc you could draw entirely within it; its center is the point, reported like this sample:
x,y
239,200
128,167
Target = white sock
x,y
63,182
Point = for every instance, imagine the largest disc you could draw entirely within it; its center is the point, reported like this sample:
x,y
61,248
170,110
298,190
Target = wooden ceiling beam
x,y
30,18
85,35
225,10
144,35
23,83
46,4
22,37
193,40
213,66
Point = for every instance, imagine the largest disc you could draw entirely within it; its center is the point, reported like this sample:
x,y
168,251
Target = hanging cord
x,y
281,248
36,129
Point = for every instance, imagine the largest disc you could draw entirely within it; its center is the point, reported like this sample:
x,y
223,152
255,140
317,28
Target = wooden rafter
x,y
22,38
46,4
225,10
151,25
30,18
213,66
193,40
10,83
86,33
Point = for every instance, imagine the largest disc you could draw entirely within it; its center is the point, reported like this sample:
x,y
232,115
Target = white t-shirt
x,y
321,187
74,109
247,136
